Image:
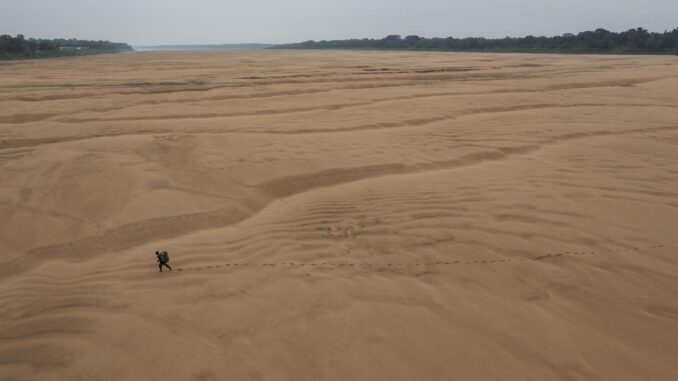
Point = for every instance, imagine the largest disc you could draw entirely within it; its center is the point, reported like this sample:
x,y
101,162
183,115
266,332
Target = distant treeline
x,y
21,47
638,41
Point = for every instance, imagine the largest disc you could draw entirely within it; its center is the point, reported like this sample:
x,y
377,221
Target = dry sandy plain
x,y
339,216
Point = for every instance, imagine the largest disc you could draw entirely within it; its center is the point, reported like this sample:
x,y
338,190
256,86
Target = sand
x,y
339,216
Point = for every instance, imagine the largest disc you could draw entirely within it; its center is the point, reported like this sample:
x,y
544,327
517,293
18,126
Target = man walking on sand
x,y
163,259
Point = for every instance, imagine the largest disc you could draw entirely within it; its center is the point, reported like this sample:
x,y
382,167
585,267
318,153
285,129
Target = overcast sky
x,y
141,22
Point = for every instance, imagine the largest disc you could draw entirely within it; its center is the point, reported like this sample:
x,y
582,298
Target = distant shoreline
x,y
543,52
21,48
601,41
205,47
81,53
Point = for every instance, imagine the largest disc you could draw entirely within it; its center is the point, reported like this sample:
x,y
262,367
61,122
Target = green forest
x,y
21,47
632,41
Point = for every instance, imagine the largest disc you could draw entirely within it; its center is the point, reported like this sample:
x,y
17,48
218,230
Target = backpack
x,y
164,256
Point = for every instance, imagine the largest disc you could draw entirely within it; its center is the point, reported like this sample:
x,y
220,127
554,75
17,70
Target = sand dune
x,y
339,216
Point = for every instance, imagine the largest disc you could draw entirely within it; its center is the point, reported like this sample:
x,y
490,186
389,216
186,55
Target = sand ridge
x,y
339,215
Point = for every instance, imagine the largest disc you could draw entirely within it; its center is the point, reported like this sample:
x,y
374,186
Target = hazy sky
x,y
227,21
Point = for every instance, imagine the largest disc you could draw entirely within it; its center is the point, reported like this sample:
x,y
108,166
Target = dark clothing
x,y
161,264
163,258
